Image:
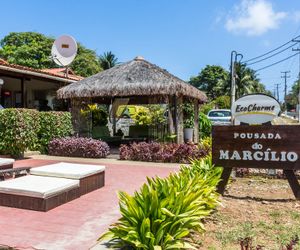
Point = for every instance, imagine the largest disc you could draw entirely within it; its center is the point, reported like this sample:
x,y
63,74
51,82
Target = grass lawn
x,y
258,211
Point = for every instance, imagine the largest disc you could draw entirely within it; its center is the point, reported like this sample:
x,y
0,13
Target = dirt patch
x,y
262,212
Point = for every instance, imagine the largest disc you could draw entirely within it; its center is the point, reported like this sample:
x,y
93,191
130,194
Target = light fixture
x,y
1,82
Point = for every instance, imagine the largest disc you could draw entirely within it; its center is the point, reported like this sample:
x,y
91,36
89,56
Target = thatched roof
x,y
134,78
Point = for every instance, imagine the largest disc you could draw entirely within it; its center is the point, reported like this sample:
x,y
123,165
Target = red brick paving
x,y
77,224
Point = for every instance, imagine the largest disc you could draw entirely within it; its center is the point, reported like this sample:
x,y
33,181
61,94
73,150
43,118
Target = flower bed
x,y
165,211
158,152
78,147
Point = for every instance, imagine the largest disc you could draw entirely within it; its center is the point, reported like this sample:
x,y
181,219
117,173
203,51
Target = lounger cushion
x,y
67,170
6,161
37,186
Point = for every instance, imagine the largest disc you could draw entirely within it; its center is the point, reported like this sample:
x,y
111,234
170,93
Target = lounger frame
x,y
39,204
92,182
7,166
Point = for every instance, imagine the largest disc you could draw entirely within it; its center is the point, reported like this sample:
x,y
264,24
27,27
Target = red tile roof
x,y
57,72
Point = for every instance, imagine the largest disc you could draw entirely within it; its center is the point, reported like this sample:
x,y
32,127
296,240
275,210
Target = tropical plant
x,y
150,115
222,102
78,147
97,113
188,115
205,126
142,116
247,81
205,108
162,214
108,60
160,152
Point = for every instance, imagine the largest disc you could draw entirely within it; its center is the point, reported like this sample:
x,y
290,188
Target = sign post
x,y
268,147
260,146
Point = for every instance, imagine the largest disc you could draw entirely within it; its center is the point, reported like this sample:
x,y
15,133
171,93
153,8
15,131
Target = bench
x,y
38,193
91,177
13,172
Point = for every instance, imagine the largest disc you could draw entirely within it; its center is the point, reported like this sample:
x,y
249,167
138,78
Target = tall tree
x,y
27,48
247,81
292,97
86,62
213,80
108,60
34,49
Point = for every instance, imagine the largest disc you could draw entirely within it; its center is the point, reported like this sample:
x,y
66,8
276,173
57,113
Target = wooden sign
x,y
269,147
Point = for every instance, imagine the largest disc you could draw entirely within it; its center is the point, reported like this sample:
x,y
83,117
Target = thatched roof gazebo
x,y
142,82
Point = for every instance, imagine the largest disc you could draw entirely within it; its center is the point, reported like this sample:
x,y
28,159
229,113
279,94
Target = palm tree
x,y
247,81
108,60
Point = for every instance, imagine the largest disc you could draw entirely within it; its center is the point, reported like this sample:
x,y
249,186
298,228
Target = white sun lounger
x,y
6,163
91,177
38,192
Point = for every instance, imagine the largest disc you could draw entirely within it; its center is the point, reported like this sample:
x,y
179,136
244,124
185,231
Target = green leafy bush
x,y
149,115
223,102
98,114
165,211
205,108
205,126
18,130
188,115
53,125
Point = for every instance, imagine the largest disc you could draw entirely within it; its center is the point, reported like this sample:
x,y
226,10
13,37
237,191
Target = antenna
x,y
64,51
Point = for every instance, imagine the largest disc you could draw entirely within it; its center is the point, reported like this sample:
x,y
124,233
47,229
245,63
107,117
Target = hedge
x,y
22,129
53,125
18,130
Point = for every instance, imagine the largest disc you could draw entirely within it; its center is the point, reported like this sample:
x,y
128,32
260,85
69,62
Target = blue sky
x,y
181,36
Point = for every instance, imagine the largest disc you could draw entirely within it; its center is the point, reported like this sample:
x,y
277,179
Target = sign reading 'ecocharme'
x,y
255,109
256,146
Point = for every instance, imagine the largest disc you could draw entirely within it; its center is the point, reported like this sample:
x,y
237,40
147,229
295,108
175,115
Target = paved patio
x,y
77,224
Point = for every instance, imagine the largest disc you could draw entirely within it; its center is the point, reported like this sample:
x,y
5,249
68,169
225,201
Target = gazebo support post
x,y
170,116
114,125
81,125
196,121
75,111
179,120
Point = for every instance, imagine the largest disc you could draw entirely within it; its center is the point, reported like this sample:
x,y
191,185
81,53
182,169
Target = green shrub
x,y
98,114
223,102
205,126
205,108
18,130
53,125
165,211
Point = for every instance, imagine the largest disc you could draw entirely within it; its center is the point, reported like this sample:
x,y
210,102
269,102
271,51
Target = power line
x,y
272,55
269,52
268,66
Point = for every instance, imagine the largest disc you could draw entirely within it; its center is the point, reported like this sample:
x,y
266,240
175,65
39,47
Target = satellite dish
x,y
64,50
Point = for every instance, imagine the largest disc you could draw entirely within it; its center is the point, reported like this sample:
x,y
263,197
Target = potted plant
x,y
188,130
188,115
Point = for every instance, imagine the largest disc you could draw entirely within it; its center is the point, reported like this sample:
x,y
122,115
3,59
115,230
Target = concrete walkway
x,y
79,223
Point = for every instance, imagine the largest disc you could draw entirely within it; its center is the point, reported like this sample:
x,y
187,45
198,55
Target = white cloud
x,y
296,16
253,18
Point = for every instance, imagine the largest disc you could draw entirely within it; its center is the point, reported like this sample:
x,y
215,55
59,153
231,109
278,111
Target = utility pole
x,y
285,76
277,90
233,76
298,49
